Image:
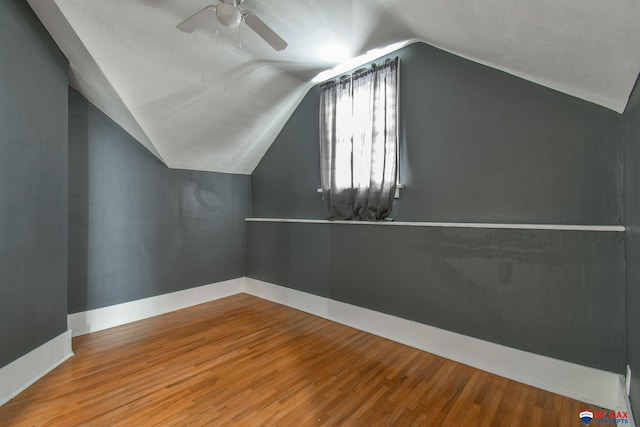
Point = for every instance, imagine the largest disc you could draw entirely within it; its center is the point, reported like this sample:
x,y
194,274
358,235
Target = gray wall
x,y
546,292
137,228
632,222
33,184
285,182
479,145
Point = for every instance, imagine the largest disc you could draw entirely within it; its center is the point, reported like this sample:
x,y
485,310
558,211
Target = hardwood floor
x,y
246,361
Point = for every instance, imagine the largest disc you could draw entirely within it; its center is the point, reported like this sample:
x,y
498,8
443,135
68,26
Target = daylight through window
x,y
359,143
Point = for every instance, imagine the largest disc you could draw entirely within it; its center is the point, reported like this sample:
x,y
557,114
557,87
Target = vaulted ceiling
x,y
200,101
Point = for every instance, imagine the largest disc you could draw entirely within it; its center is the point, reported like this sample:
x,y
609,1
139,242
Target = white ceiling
x,y
199,101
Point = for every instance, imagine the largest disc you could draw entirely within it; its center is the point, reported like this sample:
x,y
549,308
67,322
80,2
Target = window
x,y
359,143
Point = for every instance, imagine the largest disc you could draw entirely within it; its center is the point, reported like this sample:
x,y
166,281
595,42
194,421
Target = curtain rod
x,y
360,71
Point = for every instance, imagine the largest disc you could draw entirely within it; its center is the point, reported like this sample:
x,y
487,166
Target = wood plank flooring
x,y
246,361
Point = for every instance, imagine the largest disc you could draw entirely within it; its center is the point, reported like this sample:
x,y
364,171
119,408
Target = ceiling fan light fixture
x,y
228,15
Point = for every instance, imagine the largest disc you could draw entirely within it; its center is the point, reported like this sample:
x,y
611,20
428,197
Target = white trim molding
x,y
625,403
565,227
115,315
589,385
26,370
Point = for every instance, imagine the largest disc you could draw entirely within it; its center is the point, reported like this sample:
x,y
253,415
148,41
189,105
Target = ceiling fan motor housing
x,y
228,13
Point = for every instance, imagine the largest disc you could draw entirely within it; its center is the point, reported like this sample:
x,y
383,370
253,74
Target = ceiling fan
x,y
229,14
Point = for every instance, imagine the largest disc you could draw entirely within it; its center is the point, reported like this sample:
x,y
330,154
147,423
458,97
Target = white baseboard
x,y
593,386
590,385
21,373
625,403
115,315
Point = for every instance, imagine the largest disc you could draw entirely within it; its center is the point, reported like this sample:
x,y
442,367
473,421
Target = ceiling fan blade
x,y
263,30
198,19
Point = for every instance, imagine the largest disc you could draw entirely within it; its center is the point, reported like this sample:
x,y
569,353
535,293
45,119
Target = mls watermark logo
x,y
604,417
586,416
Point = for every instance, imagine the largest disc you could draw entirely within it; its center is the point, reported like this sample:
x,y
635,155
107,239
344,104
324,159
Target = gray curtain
x,y
359,143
